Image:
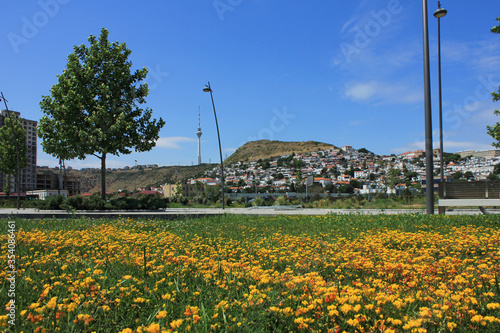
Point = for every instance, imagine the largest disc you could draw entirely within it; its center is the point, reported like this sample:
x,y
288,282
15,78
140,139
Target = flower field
x,y
405,273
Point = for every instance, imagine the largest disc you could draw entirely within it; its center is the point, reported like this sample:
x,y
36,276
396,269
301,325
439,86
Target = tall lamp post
x,y
429,163
439,13
207,88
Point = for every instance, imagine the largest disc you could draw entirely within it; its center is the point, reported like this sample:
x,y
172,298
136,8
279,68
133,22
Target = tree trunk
x,y
18,183
103,176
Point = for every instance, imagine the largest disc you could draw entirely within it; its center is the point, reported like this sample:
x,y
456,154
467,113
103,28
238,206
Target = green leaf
x,y
95,108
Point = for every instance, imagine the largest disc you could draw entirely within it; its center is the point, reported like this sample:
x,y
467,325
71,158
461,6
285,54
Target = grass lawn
x,y
334,273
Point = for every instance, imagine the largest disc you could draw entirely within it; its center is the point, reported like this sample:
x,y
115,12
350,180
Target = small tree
x,y
8,155
94,109
494,130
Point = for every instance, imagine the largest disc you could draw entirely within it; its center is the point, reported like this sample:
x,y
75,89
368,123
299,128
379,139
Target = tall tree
x,y
95,108
494,130
8,156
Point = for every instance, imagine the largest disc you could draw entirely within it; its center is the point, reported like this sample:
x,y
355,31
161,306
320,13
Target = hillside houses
x,y
333,168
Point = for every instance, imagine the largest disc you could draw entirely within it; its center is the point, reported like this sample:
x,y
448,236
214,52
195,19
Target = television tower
x,y
198,133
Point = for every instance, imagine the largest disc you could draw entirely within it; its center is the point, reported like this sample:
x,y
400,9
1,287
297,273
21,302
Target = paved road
x,y
172,213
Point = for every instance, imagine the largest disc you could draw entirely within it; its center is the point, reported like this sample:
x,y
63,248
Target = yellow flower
x,y
493,306
127,277
127,330
161,314
34,305
346,308
153,328
52,303
176,323
352,322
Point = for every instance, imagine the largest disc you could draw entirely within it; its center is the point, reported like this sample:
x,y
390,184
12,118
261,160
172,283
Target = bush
x,y
51,203
75,203
120,202
152,203
95,202
281,201
259,201
12,203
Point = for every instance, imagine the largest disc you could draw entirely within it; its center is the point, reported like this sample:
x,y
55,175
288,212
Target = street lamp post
x,y
429,162
439,13
207,88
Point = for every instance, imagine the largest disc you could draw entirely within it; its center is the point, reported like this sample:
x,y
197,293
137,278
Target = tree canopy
x,y
95,108
494,130
8,156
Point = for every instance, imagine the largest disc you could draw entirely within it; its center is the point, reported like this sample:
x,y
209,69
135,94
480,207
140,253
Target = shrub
x,y
119,202
259,201
281,200
51,203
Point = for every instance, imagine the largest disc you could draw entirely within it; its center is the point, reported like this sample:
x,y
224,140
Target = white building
x,y
42,194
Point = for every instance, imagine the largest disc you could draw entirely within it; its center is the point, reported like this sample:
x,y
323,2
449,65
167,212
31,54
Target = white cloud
x,y
173,142
482,55
382,92
361,91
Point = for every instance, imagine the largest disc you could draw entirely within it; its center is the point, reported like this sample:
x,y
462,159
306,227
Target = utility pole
x,y
429,162
18,171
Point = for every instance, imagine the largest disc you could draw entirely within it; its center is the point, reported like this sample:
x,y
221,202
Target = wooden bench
x,y
466,194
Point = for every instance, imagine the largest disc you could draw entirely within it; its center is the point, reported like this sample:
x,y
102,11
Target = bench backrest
x,y
470,190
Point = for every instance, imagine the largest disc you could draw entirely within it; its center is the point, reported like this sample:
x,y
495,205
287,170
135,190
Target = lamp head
x,y
207,89
440,12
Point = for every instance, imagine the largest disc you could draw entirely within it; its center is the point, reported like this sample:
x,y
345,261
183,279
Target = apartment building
x,y
28,174
484,153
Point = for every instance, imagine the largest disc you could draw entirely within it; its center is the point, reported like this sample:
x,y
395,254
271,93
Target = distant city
x,y
349,170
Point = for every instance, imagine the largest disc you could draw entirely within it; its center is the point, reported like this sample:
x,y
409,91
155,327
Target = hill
x,y
122,179
128,179
255,150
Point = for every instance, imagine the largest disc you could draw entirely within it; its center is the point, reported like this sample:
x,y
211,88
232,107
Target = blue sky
x,y
341,72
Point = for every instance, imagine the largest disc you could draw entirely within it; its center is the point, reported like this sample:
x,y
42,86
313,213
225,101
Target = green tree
x,y
297,164
8,156
468,175
496,29
364,151
356,183
95,108
346,189
410,175
451,157
457,175
178,190
494,130
200,188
